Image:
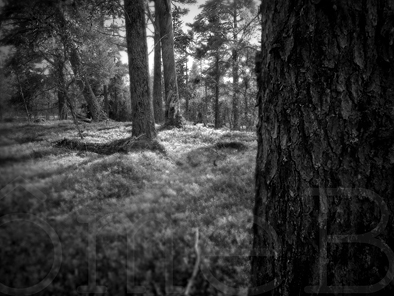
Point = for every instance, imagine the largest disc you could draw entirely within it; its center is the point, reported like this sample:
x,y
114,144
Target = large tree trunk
x,y
172,104
157,87
325,172
137,49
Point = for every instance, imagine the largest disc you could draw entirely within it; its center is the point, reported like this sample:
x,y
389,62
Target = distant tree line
x,y
65,59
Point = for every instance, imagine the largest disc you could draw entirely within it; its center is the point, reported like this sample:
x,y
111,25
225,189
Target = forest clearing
x,y
153,198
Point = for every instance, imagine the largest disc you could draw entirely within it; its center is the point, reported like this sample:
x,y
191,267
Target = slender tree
x,y
137,50
61,87
157,73
172,113
324,203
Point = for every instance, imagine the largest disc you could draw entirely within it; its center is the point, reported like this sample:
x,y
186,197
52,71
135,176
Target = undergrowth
x,y
134,215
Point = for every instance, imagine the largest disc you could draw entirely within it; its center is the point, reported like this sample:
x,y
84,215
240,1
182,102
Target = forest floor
x,y
141,209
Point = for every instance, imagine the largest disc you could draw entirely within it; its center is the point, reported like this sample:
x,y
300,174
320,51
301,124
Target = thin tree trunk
x,y
246,110
137,49
172,104
217,82
116,104
235,69
205,117
61,89
187,115
48,107
157,74
324,171
106,101
28,114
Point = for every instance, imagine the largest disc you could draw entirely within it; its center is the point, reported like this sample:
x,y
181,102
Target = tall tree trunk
x,y
187,98
217,85
172,104
205,116
61,89
137,49
246,105
325,172
235,69
157,75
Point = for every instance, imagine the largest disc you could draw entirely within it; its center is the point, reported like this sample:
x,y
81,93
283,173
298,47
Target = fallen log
x,y
118,146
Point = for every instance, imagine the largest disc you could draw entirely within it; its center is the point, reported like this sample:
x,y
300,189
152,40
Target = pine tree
x,y
137,50
324,207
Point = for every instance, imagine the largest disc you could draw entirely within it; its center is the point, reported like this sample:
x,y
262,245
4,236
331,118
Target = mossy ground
x,y
145,206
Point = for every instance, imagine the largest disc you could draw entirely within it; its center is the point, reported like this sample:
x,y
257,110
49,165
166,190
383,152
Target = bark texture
x,y
157,74
172,104
137,49
325,148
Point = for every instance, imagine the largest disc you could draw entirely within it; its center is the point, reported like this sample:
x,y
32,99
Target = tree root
x,y
231,145
117,146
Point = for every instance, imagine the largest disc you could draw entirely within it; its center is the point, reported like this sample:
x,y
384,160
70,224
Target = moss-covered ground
x,y
125,222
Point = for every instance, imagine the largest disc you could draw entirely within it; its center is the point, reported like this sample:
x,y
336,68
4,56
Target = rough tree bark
x,y
172,104
137,49
157,74
325,148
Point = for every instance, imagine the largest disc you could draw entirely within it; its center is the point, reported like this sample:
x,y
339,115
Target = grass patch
x,y
141,207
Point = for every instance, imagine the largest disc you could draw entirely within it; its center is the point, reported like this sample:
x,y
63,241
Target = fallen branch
x,y
196,265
